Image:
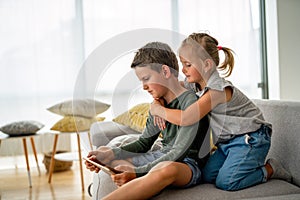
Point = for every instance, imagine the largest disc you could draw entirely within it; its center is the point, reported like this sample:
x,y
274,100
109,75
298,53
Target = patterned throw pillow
x,y
74,124
21,128
135,118
79,107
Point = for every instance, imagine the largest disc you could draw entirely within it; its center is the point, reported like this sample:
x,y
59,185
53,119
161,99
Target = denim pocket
x,y
259,138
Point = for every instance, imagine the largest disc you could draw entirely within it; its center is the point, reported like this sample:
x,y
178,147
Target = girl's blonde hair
x,y
210,45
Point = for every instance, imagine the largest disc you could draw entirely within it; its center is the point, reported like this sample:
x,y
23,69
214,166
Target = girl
x,y
243,135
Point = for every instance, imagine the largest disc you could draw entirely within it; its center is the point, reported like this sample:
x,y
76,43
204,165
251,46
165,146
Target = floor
x,y
65,185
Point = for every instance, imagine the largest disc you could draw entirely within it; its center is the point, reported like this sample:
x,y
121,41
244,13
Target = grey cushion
x,y
103,132
280,197
209,191
204,191
21,128
285,142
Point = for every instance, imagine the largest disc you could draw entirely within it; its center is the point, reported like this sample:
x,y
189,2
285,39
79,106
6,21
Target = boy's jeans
x,y
239,163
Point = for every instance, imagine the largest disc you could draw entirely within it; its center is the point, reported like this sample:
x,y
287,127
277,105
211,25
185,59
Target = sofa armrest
x,y
284,116
103,132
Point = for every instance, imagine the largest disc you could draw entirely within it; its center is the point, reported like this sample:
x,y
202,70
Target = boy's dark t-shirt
x,y
178,141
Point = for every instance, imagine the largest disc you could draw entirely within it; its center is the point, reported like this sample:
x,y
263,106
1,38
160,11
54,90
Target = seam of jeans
x,y
238,167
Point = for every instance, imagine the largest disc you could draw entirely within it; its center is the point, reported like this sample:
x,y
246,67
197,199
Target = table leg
x,y
27,162
51,167
35,155
90,140
80,161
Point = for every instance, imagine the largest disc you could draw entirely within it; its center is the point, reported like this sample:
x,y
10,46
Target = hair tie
x,y
219,48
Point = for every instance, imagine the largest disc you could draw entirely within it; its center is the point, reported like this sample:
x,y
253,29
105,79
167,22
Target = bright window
x,y
44,45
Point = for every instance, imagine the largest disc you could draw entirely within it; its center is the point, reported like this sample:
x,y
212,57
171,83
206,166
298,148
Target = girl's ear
x,y
166,71
208,65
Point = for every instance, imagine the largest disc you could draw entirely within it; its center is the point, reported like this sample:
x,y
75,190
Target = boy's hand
x,y
90,166
103,154
127,175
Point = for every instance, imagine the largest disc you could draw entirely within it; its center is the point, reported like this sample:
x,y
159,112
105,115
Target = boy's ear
x,y
166,71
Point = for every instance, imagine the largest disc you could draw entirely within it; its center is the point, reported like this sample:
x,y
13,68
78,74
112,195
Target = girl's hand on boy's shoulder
x,y
160,122
122,178
156,107
159,101
156,110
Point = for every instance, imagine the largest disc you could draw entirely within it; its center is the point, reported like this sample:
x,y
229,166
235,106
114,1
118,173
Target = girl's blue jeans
x,y
239,162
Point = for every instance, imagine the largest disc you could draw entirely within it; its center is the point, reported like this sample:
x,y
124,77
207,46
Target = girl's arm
x,y
194,112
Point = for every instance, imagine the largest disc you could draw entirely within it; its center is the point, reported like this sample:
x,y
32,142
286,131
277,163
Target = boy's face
x,y
152,81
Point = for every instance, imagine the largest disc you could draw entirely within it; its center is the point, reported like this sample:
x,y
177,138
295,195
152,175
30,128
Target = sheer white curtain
x,y
44,43
104,20
234,23
40,55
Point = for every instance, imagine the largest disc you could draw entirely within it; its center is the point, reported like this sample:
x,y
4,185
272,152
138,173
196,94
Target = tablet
x,y
103,167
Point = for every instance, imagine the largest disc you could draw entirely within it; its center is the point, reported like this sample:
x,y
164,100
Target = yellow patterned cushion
x,y
135,118
75,123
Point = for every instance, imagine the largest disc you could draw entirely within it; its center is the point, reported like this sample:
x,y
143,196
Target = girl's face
x,y
152,81
191,65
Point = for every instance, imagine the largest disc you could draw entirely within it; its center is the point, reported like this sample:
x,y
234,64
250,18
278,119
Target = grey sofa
x,y
285,118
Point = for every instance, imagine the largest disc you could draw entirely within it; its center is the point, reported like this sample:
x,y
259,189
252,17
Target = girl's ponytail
x,y
227,66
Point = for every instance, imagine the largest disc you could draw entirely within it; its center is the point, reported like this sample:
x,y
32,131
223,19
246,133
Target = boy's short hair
x,y
155,54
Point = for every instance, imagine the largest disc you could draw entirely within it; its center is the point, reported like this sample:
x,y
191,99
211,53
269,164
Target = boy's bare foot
x,y
277,171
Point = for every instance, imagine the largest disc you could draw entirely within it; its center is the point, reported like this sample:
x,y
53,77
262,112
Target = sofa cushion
x,y
280,197
79,107
125,139
103,185
21,128
103,132
284,116
136,117
209,191
75,123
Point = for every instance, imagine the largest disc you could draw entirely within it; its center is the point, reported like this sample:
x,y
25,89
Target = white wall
x,y
283,33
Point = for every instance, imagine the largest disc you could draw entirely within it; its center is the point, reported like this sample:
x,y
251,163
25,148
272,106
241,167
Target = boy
x,y
156,66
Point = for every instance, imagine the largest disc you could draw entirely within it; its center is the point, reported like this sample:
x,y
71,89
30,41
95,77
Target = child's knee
x,y
224,183
165,170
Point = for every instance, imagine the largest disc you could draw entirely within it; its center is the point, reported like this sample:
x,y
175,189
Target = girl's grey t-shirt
x,y
236,117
